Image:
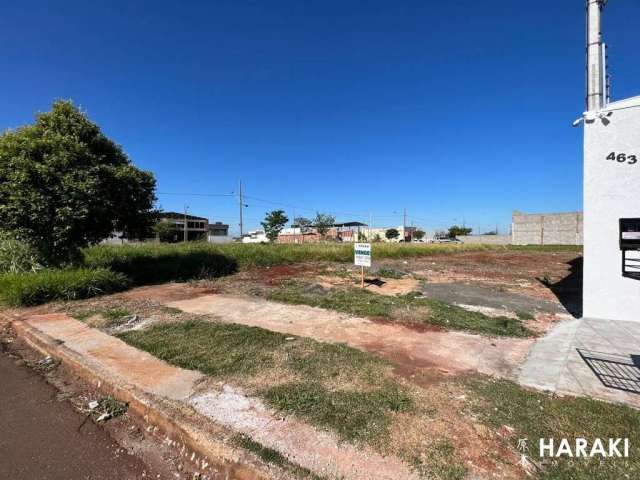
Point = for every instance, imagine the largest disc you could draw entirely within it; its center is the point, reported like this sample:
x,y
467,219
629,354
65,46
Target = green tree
x,y
456,231
304,224
167,232
273,224
323,222
65,185
418,234
392,234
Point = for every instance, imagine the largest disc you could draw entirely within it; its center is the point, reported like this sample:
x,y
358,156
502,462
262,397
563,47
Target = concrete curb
x,y
191,435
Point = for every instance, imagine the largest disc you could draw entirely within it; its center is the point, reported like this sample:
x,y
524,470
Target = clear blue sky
x,y
451,109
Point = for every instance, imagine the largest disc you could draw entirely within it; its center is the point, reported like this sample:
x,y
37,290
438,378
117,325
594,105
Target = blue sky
x,y
452,110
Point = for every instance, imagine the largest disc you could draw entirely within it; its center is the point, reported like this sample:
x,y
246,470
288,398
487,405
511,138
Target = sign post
x,y
362,258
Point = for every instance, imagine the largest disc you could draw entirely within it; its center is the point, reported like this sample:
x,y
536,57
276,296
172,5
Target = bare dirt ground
x,y
543,284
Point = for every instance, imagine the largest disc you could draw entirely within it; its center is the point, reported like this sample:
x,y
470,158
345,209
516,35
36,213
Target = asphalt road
x,y
39,437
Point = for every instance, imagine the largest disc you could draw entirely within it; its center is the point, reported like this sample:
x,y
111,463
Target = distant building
x,y
380,234
340,232
197,227
255,236
219,233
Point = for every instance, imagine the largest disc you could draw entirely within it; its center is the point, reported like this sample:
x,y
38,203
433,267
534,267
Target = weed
x,y
525,316
386,272
439,462
354,415
34,288
536,415
364,303
321,372
213,348
273,457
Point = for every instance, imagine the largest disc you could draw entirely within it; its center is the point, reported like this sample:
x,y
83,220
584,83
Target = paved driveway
x,y
598,358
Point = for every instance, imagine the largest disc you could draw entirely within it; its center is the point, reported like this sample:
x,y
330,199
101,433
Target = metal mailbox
x,y
630,241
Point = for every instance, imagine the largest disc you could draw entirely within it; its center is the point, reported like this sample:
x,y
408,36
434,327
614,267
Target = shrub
x,y
25,289
65,185
17,256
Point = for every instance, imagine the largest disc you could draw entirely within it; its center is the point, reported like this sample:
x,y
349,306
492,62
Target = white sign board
x,y
362,254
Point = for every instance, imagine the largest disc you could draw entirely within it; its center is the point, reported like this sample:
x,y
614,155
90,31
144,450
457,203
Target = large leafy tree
x,y
273,224
323,222
65,185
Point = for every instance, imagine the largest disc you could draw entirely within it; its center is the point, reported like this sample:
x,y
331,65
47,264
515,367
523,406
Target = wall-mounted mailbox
x,y
630,241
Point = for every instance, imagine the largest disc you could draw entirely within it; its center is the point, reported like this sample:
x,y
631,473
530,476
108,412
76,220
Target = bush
x,y
26,289
17,256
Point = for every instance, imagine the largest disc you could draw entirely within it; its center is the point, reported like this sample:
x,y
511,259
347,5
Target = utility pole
x,y
241,205
404,225
185,236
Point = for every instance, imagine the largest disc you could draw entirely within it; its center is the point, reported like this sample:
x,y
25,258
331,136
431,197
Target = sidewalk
x,y
587,357
198,416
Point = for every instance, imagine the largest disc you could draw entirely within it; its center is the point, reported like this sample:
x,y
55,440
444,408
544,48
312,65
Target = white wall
x,y
611,192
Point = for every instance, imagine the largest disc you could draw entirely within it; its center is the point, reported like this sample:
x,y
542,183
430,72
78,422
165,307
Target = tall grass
x,y
34,288
177,261
144,264
158,263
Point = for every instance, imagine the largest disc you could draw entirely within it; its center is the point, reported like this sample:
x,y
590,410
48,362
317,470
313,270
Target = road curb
x,y
199,442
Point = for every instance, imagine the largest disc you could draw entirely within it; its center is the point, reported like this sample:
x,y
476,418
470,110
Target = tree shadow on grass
x,y
178,266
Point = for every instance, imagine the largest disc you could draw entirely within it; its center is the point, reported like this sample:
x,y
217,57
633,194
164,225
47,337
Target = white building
x,y
255,236
611,191
379,234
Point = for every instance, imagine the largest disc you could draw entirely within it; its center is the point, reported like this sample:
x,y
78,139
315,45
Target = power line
x,y
199,194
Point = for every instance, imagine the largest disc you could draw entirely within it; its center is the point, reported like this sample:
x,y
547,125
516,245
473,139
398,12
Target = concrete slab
x,y
477,295
116,359
587,357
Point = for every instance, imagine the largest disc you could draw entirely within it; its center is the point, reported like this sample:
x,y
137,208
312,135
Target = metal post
x,y
185,235
596,64
241,202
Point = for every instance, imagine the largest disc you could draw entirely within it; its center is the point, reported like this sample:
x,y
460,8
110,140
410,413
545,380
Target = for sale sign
x,y
362,254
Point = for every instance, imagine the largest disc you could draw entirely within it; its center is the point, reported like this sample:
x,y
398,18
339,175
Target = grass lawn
x,y
331,386
535,415
320,380
410,307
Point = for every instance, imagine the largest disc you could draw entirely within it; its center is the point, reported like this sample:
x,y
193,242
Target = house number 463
x,y
622,158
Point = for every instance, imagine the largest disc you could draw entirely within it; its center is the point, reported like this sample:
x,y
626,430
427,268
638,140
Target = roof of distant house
x,y
350,224
180,216
218,226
